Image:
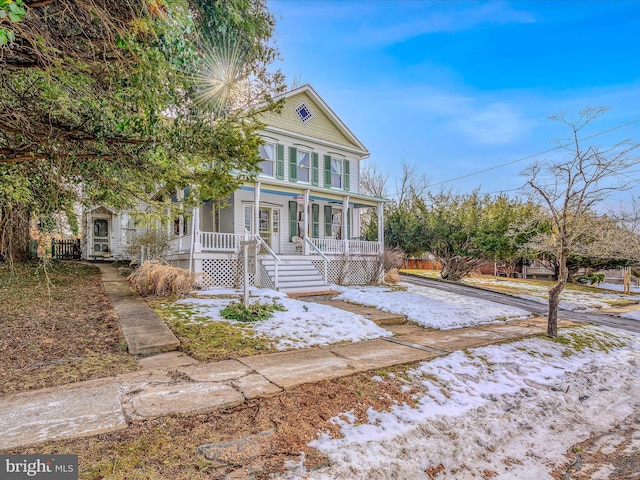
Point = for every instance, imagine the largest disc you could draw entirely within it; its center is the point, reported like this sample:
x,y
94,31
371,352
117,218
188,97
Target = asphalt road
x,y
529,305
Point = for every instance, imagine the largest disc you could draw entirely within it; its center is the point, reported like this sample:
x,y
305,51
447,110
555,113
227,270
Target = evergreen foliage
x,y
100,102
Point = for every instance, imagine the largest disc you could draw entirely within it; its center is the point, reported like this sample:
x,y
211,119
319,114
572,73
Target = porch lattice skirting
x,y
265,280
225,272
351,271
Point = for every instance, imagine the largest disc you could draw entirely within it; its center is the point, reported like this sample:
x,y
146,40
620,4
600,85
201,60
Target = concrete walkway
x,y
174,383
143,331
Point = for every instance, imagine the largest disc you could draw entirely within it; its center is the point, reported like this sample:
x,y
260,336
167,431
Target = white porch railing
x,y
363,247
276,259
230,242
325,260
333,246
220,242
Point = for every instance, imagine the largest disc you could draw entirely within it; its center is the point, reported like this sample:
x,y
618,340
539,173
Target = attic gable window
x,y
304,112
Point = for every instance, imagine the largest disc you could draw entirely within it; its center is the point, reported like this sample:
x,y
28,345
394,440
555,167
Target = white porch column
x,y
305,222
197,246
256,226
381,226
345,219
256,208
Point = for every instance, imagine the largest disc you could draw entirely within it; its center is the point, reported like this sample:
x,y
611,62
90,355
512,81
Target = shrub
x,y
157,277
392,258
591,279
252,312
155,243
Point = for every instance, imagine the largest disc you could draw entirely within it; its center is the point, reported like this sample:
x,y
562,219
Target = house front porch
x,y
317,264
298,228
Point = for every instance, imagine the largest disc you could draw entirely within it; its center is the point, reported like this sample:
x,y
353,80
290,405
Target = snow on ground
x,y
619,287
430,307
295,328
324,325
511,409
569,299
634,315
562,305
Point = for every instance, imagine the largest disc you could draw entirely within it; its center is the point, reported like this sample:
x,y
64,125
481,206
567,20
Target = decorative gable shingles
x,y
320,126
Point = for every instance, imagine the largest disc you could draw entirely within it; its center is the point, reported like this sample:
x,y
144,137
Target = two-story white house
x,y
303,209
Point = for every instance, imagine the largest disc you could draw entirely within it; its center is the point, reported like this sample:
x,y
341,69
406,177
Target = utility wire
x,y
534,155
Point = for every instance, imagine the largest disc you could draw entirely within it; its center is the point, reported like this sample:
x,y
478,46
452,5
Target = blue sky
x,y
455,87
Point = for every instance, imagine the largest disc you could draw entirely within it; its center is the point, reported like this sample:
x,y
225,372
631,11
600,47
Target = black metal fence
x,y
66,249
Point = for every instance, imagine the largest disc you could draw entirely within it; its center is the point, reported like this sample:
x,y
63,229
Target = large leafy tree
x,y
506,224
463,231
108,101
450,225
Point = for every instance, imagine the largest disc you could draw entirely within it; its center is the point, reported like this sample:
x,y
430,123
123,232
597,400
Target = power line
x,y
501,191
534,155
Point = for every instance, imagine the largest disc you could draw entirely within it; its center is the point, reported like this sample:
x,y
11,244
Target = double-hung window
x,y
267,153
336,173
248,218
304,166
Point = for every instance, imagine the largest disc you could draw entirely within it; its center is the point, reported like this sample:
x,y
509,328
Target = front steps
x,y
296,274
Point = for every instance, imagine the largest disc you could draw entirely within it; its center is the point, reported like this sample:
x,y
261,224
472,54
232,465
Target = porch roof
x,y
286,189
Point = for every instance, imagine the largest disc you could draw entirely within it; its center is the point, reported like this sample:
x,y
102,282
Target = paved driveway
x,y
529,305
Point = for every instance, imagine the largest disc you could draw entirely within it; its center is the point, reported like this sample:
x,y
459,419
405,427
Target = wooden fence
x,y
66,249
420,264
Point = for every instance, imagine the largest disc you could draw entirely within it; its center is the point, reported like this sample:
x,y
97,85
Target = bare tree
x,y
374,182
571,190
600,242
411,184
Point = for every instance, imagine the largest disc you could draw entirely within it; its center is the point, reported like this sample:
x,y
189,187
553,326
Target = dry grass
x,y
208,340
158,278
57,327
392,277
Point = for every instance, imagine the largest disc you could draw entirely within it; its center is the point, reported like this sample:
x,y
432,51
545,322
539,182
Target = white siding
x,y
354,181
206,217
226,218
355,221
290,141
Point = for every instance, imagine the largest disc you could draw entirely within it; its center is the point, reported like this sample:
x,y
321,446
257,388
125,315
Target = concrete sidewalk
x,y
104,405
143,331
174,383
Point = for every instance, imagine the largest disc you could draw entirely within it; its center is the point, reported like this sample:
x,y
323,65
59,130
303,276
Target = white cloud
x,y
497,123
492,123
427,21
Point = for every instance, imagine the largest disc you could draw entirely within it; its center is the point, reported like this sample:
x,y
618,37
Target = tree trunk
x,y
554,293
14,233
554,300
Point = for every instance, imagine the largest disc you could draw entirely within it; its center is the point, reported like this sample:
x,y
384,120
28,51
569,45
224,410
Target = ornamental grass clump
x,y
158,278
392,277
252,312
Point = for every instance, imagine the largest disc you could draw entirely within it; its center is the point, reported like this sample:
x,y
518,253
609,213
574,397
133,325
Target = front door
x,y
101,244
269,227
264,222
